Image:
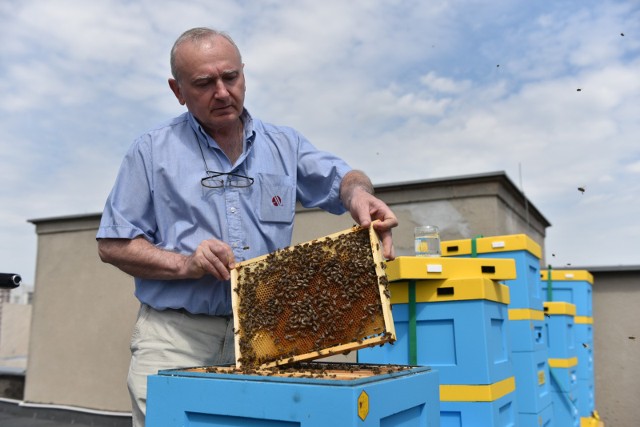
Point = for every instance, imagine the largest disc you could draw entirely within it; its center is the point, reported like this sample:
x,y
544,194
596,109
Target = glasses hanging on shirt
x,y
222,179
216,179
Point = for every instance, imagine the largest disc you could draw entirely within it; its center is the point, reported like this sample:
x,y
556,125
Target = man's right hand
x,y
212,256
140,258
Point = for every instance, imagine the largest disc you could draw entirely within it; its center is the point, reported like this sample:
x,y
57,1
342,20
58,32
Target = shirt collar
x,y
249,135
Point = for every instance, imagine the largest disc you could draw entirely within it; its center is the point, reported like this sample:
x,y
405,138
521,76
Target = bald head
x,y
197,36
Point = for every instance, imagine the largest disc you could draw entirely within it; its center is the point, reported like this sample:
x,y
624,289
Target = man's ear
x,y
175,88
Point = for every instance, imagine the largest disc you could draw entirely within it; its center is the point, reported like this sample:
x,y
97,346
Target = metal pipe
x,y
9,280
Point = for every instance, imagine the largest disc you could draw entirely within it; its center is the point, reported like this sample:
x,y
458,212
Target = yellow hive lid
x,y
567,276
492,244
411,267
559,308
445,290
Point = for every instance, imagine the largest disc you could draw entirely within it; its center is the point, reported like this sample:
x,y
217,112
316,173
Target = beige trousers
x,y
173,339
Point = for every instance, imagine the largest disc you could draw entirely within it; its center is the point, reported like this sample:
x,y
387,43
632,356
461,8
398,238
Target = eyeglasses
x,y
218,179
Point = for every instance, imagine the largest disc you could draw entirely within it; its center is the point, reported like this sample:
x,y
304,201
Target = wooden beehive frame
x,y
380,330
316,370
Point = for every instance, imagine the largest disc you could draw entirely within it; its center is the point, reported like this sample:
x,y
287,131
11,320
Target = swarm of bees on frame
x,y
331,370
310,297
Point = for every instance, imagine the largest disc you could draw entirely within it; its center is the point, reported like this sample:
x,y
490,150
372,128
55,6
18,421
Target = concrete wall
x,y
616,330
15,324
462,208
14,335
83,314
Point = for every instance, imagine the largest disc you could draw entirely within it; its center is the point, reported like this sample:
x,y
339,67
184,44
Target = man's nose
x,y
221,90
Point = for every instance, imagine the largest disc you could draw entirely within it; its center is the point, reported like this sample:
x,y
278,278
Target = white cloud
x,y
443,84
633,167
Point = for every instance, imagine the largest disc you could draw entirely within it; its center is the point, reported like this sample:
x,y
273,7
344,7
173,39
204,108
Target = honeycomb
x,y
312,300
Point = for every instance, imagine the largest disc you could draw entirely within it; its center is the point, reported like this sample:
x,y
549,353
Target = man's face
x,y
210,82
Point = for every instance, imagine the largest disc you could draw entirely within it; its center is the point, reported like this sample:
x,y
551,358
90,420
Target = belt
x,y
185,311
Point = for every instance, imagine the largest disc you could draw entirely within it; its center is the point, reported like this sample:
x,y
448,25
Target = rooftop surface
x,y
12,414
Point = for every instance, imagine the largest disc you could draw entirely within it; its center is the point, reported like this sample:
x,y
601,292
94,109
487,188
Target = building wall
x,y
83,314
14,335
462,208
616,330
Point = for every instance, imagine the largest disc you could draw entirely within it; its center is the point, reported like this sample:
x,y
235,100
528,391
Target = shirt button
x,y
232,210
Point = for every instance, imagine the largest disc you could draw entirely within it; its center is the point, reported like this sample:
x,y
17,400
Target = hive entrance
x,y
312,300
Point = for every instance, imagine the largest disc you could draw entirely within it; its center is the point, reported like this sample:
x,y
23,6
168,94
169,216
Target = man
x,y
212,187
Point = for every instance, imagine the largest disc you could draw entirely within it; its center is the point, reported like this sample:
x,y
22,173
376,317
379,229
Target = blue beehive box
x,y
573,286
527,330
457,326
584,347
584,329
565,409
524,290
563,375
564,391
559,318
533,389
586,397
499,412
585,362
451,314
544,418
197,397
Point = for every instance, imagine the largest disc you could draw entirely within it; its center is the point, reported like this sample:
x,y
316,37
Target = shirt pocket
x,y
277,198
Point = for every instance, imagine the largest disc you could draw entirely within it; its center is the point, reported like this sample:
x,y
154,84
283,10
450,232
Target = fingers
x,y
385,220
366,208
388,251
214,257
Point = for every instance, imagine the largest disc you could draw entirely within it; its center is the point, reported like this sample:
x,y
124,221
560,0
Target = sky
x,y
546,91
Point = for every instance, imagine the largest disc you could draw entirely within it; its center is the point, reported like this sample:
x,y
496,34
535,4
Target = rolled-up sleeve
x,y
319,176
128,212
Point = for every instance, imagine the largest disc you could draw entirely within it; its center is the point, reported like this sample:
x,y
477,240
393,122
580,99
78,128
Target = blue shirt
x,y
158,195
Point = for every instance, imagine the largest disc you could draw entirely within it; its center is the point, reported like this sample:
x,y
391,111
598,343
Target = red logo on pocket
x,y
276,200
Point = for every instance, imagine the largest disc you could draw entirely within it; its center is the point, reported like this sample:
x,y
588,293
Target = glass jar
x,y
427,241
